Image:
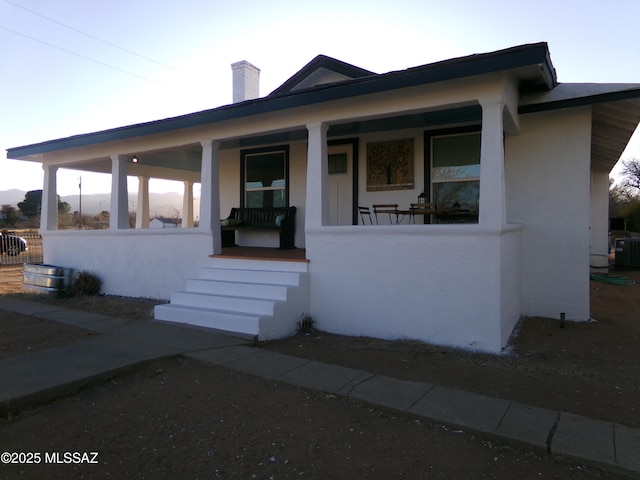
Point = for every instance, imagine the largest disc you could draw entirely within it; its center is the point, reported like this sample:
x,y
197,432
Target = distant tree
x,y
63,207
631,174
30,206
32,203
632,216
620,197
176,215
10,215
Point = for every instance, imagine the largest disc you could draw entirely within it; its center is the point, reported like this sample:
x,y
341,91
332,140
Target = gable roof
x,y
321,71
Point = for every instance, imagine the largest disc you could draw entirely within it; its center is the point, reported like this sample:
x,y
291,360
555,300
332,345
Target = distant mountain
x,y
160,204
11,197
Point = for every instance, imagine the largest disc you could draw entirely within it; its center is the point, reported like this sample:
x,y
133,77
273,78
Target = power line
x,y
91,36
80,55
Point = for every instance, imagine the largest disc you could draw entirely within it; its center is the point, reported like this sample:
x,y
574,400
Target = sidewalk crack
x,y
552,432
503,416
357,384
421,397
292,369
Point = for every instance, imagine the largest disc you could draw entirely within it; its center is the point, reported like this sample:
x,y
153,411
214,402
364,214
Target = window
x,y
264,177
338,164
455,172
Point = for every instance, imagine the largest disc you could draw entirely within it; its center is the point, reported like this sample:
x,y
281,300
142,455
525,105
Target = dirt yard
x,y
182,419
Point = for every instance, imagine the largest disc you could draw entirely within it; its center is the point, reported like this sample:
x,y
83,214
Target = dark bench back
x,y
261,216
266,218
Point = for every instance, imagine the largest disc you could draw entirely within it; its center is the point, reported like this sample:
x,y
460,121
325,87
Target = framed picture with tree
x,y
390,165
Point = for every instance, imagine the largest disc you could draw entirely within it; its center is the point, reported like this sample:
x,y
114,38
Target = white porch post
x,y
142,212
119,218
49,205
210,194
492,177
599,221
187,205
317,202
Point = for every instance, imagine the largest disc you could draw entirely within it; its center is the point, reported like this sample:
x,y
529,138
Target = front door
x,y
341,184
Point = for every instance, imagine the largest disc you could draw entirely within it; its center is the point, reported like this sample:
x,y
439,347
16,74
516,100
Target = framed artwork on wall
x,y
390,165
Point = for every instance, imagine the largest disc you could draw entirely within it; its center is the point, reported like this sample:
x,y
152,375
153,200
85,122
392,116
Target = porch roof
x,y
530,63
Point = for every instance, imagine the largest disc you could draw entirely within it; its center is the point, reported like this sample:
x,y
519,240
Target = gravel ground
x,y
178,418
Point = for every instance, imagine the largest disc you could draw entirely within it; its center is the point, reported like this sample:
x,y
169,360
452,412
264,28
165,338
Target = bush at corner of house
x,y
85,283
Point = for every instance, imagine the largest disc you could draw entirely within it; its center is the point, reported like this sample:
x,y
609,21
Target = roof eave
x,y
463,67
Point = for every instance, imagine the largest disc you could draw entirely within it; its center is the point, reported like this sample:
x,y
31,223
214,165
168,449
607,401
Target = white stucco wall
x,y
131,263
436,283
548,192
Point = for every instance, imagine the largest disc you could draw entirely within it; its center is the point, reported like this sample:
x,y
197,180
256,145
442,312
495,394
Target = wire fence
x,y
20,246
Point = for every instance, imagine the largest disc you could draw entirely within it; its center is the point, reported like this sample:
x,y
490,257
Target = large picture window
x,y
264,177
455,173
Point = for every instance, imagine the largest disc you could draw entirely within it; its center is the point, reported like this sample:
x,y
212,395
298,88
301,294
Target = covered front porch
x,y
374,273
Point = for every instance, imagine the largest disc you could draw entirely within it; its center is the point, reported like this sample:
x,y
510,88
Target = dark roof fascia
x,y
579,101
509,58
322,61
524,55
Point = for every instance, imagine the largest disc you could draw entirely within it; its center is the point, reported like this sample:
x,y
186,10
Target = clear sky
x,y
78,66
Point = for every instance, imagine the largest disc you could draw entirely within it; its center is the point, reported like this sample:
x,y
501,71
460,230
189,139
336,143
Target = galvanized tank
x,y
46,279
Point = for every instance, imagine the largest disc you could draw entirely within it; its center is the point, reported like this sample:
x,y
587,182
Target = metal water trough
x,y
46,279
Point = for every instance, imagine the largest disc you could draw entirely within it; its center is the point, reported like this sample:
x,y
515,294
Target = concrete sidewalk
x,y
45,374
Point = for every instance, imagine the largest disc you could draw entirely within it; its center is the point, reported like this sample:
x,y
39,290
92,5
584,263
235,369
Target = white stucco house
x,y
516,164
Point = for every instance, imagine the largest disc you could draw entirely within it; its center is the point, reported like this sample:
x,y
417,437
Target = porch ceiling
x,y
179,163
454,116
450,117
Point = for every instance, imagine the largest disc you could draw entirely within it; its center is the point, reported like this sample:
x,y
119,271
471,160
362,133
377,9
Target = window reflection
x,y
455,174
265,179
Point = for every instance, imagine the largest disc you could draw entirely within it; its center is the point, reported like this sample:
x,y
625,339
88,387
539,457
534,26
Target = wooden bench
x,y
281,219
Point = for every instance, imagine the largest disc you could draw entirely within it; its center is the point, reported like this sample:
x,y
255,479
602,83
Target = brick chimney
x,y
246,81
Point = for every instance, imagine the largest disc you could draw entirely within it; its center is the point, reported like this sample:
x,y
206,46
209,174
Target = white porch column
x,y
317,202
187,205
49,205
599,221
210,194
142,212
492,177
119,218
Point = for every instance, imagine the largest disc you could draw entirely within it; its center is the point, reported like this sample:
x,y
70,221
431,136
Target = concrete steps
x,y
263,299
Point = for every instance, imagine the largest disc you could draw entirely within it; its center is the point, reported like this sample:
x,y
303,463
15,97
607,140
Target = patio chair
x,y
365,212
388,208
